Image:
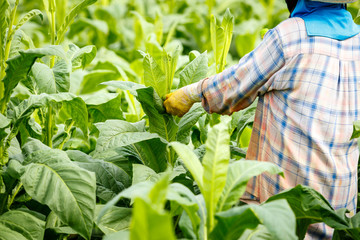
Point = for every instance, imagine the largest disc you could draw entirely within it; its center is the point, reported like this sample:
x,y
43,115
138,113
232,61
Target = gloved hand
x,y
178,103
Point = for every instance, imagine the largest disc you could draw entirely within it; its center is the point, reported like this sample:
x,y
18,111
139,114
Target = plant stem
x,y
17,190
8,38
52,5
170,158
4,154
68,135
49,127
7,53
177,221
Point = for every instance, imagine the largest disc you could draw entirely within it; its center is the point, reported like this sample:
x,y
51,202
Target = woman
x,y
306,73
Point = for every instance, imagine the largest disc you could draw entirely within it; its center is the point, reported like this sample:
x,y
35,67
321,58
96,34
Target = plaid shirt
x,y
309,97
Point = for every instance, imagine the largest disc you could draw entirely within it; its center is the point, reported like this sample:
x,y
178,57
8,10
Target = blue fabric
x,y
326,19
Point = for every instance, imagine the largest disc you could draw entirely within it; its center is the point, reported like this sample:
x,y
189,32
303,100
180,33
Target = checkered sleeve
x,y
237,87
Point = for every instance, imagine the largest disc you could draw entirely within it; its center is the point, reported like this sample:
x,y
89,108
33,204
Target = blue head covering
x,y
326,19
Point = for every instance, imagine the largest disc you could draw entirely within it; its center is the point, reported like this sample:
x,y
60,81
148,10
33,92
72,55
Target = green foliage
x,y
356,130
87,149
21,224
215,164
357,19
311,207
221,35
159,68
70,18
239,173
196,70
159,121
148,223
51,178
234,222
115,220
222,185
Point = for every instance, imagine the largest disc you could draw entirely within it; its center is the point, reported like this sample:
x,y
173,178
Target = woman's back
x,y
305,116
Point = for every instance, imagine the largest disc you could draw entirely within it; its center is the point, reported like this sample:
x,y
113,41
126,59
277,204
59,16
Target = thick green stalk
x,y
68,135
4,154
17,190
49,121
7,51
9,38
52,6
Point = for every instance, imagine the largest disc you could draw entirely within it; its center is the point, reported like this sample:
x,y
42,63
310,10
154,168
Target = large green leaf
x,y
143,173
129,140
150,152
182,196
149,220
221,39
54,223
276,216
80,57
217,41
92,81
148,223
160,122
45,80
21,225
20,42
158,193
115,220
126,86
186,224
194,71
352,231
170,63
51,178
310,207
19,66
110,179
27,17
104,106
215,162
107,59
72,108
70,18
154,76
260,232
239,173
123,235
117,133
140,190
188,121
228,25
191,162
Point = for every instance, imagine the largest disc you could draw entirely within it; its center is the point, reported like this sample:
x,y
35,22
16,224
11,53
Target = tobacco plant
x,y
87,150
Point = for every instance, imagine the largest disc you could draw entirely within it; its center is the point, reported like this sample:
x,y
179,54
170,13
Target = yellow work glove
x,y
178,103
